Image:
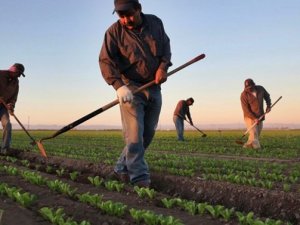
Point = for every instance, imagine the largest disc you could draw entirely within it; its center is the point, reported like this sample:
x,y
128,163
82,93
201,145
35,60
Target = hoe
x,y
110,105
240,142
203,134
42,150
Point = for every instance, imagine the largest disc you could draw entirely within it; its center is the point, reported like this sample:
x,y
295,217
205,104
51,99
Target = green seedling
x,y
145,192
96,181
74,175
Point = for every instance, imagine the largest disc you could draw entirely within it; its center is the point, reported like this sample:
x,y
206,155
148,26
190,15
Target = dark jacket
x,y
9,88
182,109
129,56
253,106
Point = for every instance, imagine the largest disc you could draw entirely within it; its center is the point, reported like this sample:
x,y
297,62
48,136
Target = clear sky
x,y
59,41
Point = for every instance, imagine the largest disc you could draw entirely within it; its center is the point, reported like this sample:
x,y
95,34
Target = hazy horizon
x,y
228,126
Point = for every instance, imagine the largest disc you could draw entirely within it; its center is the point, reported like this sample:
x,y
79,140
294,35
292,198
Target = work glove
x,y
160,76
124,94
268,109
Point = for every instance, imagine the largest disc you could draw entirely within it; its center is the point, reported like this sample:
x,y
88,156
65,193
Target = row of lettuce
x,y
119,209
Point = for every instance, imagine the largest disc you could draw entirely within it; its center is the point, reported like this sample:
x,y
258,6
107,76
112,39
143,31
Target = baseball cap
x,y
191,100
249,83
124,5
19,67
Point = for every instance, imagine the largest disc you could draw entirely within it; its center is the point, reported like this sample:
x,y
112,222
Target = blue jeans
x,y
139,120
179,127
5,121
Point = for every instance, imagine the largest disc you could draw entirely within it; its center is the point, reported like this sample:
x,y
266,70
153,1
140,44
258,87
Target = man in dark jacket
x,y
135,51
9,89
252,100
181,111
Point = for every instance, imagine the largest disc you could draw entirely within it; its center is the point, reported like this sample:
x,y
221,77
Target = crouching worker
x,y
252,101
9,89
182,111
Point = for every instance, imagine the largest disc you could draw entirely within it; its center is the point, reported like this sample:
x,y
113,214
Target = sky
x,y
59,42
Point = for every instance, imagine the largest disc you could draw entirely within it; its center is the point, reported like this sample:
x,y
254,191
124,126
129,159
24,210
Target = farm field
x,y
209,180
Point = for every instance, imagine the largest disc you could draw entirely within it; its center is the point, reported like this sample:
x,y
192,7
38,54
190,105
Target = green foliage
x,y
58,217
11,170
60,172
114,185
23,198
74,175
150,218
25,163
49,169
113,208
61,187
34,177
145,192
96,181
93,200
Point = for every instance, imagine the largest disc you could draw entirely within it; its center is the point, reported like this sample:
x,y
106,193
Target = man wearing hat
x,y
135,51
252,101
9,89
181,111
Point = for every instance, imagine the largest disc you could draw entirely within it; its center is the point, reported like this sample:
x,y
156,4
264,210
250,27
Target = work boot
x,y
122,177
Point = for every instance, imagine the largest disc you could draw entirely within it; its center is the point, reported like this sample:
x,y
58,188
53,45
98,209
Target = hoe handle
x,y
262,116
195,127
115,102
16,118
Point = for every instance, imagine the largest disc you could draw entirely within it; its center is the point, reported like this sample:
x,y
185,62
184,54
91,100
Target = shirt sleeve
x,y
267,98
166,57
246,107
108,61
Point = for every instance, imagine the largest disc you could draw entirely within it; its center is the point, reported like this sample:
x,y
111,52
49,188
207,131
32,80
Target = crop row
x,y
118,209
276,144
108,207
26,199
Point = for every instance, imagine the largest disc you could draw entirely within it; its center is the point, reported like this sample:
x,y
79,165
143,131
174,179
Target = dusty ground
x,y
264,203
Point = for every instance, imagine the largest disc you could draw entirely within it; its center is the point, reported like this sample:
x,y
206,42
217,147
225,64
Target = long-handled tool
x,y
203,134
111,104
42,151
240,142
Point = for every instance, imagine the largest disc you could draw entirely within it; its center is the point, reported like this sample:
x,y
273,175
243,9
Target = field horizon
x,y
225,126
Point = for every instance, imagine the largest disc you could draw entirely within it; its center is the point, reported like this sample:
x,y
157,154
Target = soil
x,y
264,203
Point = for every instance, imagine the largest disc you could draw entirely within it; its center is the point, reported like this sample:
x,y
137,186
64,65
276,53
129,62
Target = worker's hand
x,y
124,94
268,109
160,76
257,121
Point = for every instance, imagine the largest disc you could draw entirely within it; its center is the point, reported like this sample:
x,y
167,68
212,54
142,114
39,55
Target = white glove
x,y
124,94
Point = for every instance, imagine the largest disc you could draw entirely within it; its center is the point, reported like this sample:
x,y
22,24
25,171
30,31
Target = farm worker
x,y
9,89
181,111
252,99
135,51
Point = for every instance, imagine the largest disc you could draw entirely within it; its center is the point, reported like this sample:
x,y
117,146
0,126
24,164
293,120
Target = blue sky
x,y
59,43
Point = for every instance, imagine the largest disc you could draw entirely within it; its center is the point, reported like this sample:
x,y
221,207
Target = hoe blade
x,y
41,148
